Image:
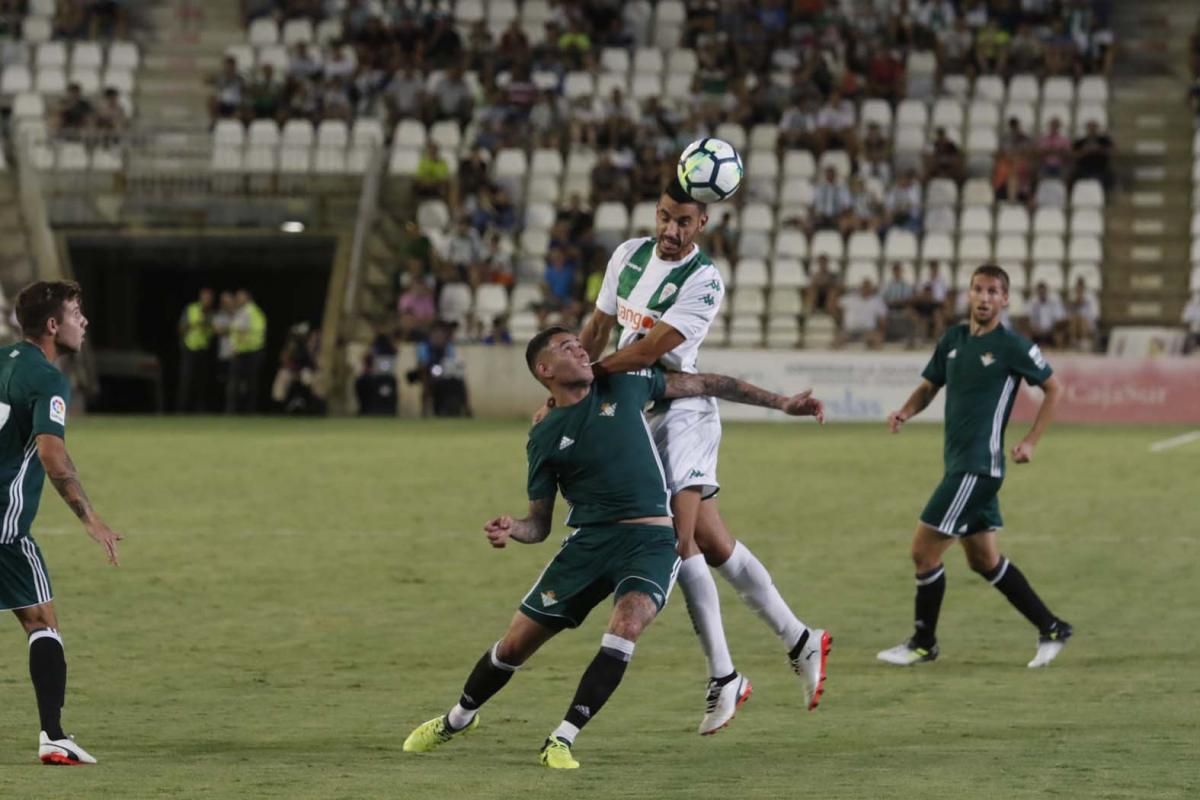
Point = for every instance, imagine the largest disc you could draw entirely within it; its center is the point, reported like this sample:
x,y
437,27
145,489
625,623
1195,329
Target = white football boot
x,y
62,752
722,702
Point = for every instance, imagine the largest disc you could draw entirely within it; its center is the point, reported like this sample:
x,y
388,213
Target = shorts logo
x,y
658,598
548,599
953,353
565,442
608,409
58,410
988,359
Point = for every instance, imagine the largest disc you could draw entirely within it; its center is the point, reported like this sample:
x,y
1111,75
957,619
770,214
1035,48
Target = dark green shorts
x,y
599,561
24,580
964,503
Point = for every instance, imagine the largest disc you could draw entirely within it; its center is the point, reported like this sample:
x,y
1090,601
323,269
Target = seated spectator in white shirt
x,y
863,213
1191,318
303,66
831,201
1082,315
798,126
862,316
341,64
902,204
835,123
1046,317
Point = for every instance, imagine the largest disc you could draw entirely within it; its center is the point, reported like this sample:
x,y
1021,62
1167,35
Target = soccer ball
x,y
710,170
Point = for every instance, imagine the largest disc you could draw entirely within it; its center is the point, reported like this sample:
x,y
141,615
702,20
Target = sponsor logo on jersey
x,y
988,359
58,410
1035,353
565,442
608,409
635,318
548,598
953,353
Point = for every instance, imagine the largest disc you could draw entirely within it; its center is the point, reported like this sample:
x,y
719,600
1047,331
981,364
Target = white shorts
x,y
688,440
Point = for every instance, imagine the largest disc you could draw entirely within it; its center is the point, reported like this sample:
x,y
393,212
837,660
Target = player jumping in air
x,y
34,396
981,363
595,448
662,295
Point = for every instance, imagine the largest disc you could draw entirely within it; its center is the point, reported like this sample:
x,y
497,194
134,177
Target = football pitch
x,y
296,595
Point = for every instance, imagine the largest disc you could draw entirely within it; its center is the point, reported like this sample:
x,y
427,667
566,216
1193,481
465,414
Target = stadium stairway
x,y
16,264
1147,236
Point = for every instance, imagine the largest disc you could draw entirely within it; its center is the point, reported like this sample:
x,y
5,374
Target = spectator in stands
x,y
294,389
885,74
1026,52
944,158
1062,51
823,288
954,48
514,47
266,95
443,45
405,94
831,201
229,88
575,45
303,65
1012,176
876,161
74,117
861,316
432,178
864,212
548,115
497,261
835,125
1054,151
722,238
1046,316
494,210
341,63
558,286
417,309
1092,155
902,204
578,219
929,303
463,252
991,48
335,101
1191,318
1082,317
897,295
441,374
798,126
1015,138
110,119
930,16
608,182
452,98
499,333
109,16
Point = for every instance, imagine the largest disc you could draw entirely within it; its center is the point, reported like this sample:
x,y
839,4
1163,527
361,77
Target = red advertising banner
x,y
1100,389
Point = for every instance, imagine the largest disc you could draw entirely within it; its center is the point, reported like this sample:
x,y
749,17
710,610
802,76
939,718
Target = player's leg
x,y
928,547
984,558
807,649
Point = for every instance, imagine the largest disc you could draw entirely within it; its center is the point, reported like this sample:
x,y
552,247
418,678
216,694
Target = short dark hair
x,y
992,271
676,192
538,343
39,302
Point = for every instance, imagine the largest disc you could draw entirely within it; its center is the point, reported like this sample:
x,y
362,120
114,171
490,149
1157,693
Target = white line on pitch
x,y
1175,441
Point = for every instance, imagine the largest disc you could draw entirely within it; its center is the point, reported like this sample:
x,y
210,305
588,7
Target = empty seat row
x,y
299,132
81,54
289,158
17,78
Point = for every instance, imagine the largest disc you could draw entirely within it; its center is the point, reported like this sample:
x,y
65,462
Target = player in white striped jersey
x,y
662,295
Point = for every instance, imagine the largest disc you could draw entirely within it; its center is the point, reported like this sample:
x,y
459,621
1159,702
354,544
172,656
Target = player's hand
x,y
107,538
497,530
804,405
543,411
895,420
1023,452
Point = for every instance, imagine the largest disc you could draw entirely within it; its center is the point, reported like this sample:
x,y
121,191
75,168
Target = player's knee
x,y
923,560
511,652
982,563
634,611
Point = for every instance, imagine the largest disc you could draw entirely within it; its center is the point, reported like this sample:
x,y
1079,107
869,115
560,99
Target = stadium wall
x,y
862,387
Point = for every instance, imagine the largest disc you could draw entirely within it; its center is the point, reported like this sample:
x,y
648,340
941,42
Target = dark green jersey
x,y
600,453
982,375
33,400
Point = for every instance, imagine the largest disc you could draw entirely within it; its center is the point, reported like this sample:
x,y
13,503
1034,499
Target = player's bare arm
x,y
531,529
596,332
917,402
723,387
1022,453
62,473
645,352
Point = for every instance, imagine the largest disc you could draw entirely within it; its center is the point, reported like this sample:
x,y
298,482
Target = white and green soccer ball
x,y
710,170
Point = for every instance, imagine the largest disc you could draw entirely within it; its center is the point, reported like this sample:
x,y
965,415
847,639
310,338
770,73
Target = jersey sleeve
x,y
51,393
698,304
606,301
543,481
640,386
1026,360
935,370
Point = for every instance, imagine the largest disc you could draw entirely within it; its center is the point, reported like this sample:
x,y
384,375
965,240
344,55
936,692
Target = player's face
x,y
988,298
678,225
564,361
70,332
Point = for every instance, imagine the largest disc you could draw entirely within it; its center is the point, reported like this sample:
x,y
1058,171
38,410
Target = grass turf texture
x,y
297,595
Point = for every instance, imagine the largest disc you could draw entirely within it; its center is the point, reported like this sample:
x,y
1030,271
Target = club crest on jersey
x,y
58,410
667,291
988,359
549,599
608,409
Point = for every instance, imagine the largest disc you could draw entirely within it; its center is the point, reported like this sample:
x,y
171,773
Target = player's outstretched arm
x,y
1022,453
62,473
645,352
917,402
595,333
723,387
530,530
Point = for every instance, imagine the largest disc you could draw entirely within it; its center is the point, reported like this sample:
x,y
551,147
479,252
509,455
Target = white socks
x,y
704,607
565,731
460,717
754,585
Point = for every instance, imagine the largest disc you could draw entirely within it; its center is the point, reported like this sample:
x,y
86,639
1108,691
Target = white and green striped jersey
x,y
640,288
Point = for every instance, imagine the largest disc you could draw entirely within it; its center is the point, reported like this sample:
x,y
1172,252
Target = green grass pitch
x,y
297,595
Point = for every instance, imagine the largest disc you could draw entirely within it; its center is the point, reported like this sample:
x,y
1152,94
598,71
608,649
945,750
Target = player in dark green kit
x,y
595,448
34,396
981,363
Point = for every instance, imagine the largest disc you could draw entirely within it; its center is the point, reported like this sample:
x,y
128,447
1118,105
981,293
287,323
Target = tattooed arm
x,y
532,529
62,473
723,387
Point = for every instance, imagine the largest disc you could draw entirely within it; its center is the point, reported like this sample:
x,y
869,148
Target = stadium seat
x,y
261,160
757,217
857,271
788,273
408,134
1093,89
546,162
877,111
1087,194
1058,90
785,301
956,86
124,56
1024,87
42,8
332,133
52,81
798,164
941,192
542,190
358,158
35,30
733,133
937,247
490,299
839,160
762,176
368,132
983,114
403,161
106,160
764,137
1087,221
783,333
796,192
1091,274
454,302
900,245
468,12
263,31
974,248
297,133
912,114
751,273
1051,193
1012,218
578,84
1085,248
242,54
607,81
1011,247
329,31
1024,112
863,246
534,243
1090,112
539,216
748,301
725,269
644,86
433,215
229,133
118,78
975,220
447,135
615,60
1049,221
1050,274
294,159
940,219
30,105
298,30
791,244
329,160
948,114
827,243
71,157
612,217
51,54
1048,247
1054,111
990,88
275,55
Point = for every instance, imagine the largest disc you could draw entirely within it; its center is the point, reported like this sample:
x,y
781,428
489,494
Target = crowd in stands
x,y
72,19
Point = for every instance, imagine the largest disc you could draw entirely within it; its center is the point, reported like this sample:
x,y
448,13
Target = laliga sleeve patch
x,y
58,410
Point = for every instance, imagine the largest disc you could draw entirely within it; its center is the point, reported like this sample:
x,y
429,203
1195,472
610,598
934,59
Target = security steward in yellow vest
x,y
195,353
249,332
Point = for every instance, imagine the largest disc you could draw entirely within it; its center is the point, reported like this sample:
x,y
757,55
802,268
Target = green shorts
x,y
24,580
599,561
964,503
